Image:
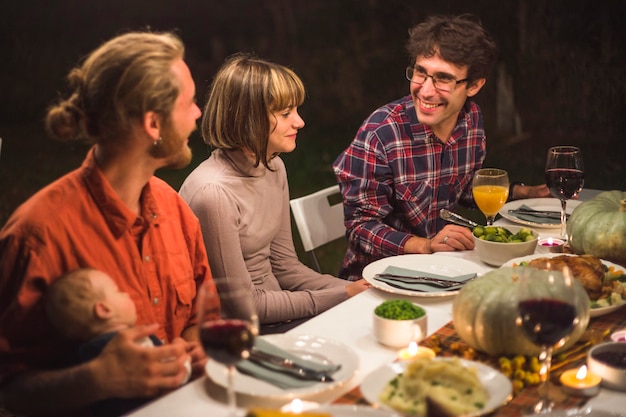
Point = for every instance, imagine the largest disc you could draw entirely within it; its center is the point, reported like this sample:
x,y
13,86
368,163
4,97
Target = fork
x,y
417,280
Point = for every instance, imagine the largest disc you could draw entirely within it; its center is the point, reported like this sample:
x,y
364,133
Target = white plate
x,y
305,346
346,410
577,412
438,264
594,312
546,204
498,386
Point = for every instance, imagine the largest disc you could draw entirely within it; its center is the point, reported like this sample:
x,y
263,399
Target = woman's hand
x,y
357,287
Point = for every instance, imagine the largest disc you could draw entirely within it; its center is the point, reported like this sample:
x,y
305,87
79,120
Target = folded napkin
x,y
422,287
535,219
276,375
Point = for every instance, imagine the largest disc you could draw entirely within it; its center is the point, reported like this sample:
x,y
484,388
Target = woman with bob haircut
x,y
241,195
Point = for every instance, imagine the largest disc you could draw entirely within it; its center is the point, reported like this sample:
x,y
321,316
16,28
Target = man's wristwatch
x,y
511,186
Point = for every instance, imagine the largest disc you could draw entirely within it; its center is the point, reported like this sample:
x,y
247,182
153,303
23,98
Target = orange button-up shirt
x,y
78,221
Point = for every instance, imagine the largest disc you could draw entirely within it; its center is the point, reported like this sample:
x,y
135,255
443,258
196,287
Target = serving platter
x,y
594,311
498,386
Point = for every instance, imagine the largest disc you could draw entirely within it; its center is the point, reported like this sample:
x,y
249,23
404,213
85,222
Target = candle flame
x,y
413,348
296,406
550,242
582,373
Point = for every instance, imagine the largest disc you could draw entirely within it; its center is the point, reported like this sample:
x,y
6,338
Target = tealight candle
x,y
580,382
297,406
551,244
619,336
414,351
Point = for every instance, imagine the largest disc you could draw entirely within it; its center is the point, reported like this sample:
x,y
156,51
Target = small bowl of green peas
x,y
496,245
399,322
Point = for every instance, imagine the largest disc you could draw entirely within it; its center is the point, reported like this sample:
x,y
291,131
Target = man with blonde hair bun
x,y
134,99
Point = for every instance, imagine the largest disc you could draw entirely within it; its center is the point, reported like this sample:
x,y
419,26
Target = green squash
x,y
485,310
598,227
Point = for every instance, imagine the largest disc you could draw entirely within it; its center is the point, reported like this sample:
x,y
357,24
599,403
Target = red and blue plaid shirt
x,y
396,175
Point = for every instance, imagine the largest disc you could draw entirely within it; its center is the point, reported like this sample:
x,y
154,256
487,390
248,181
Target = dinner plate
x,y
545,204
498,386
346,410
305,346
437,264
577,412
593,312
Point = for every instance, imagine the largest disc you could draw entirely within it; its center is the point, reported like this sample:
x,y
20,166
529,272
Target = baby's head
x,y
86,302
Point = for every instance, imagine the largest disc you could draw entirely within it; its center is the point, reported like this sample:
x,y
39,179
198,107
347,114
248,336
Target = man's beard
x,y
173,148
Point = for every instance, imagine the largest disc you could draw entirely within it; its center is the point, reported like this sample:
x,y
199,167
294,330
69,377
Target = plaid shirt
x,y
396,175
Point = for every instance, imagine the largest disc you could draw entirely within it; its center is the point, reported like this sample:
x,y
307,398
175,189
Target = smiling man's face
x,y
440,109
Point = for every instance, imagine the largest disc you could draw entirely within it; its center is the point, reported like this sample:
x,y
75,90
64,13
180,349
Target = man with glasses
x,y
417,155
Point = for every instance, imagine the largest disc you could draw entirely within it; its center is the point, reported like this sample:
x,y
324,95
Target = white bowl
x,y
399,333
497,253
613,376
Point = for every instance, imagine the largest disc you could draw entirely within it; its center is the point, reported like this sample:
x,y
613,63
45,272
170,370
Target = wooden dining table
x,y
350,323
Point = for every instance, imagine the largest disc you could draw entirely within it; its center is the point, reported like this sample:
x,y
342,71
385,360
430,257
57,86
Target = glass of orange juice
x,y
491,189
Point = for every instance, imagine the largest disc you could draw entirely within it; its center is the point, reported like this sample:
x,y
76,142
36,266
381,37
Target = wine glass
x,y
565,176
228,325
548,304
490,188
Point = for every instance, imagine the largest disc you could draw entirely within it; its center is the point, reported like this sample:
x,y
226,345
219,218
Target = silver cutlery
x,y
289,366
427,280
538,213
403,285
451,217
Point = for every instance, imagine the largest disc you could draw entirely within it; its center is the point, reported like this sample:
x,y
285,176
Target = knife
x,y
425,280
400,285
263,358
548,214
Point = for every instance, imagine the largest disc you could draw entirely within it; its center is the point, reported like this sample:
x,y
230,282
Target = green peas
x,y
399,310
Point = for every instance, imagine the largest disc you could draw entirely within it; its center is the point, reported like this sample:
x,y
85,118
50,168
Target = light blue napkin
x,y
421,286
277,376
534,219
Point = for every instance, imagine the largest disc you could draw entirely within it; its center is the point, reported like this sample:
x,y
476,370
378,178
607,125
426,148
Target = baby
x,y
87,306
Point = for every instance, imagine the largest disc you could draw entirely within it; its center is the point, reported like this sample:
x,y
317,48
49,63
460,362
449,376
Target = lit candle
x,y
580,382
414,351
550,244
297,406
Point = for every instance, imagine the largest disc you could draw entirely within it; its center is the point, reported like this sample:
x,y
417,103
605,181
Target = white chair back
x,y
318,221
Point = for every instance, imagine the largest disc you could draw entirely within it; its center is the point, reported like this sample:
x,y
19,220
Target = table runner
x,y
448,343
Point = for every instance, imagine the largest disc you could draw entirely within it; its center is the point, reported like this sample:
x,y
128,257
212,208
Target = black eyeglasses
x,y
440,82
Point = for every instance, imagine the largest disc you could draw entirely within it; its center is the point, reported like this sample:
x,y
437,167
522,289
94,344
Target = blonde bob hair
x,y
244,94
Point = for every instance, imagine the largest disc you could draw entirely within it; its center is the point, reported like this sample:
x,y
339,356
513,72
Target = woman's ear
x,y
102,310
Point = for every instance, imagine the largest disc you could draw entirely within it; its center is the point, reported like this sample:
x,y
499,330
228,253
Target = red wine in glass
x,y
227,327
565,183
549,304
564,176
226,340
547,321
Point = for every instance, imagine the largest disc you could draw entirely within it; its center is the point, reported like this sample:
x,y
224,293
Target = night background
x,y
560,77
